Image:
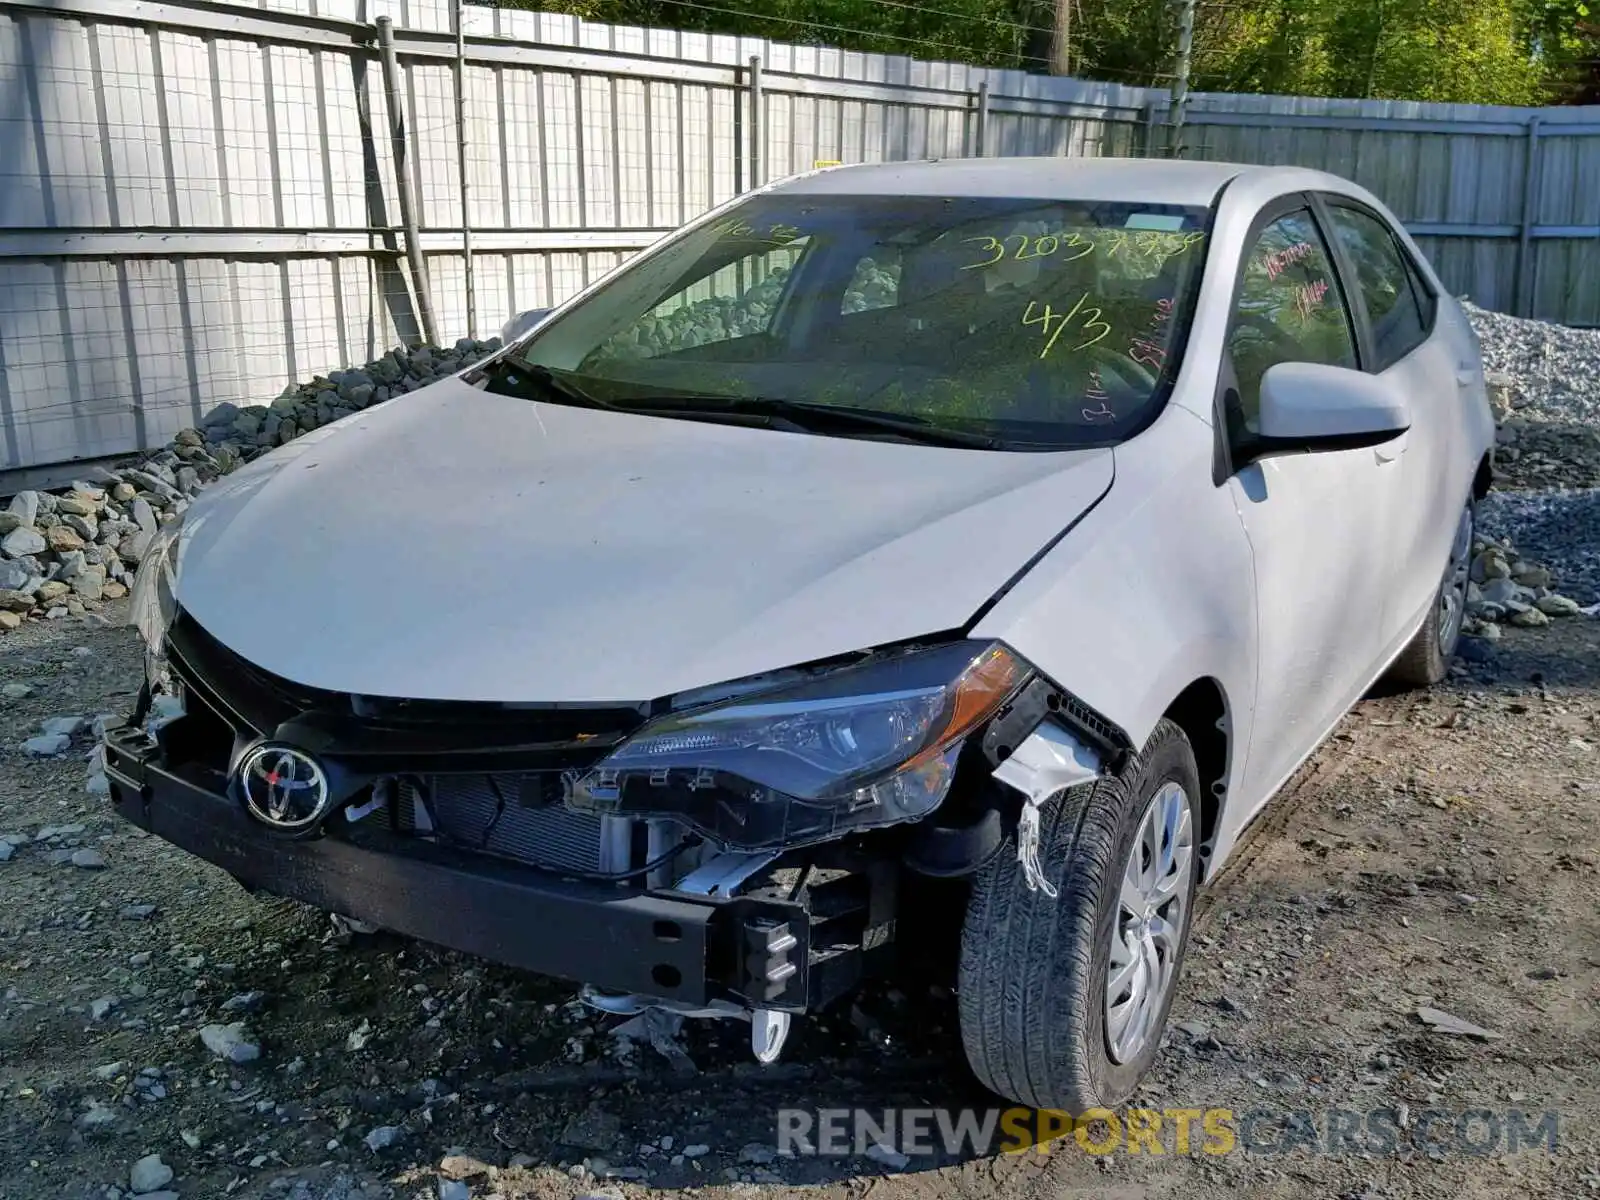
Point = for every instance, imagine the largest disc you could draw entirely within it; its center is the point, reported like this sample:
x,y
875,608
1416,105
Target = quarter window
x,y
1290,309
1399,323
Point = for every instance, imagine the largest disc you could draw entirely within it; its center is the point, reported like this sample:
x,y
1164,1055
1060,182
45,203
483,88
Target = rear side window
x,y
1388,285
1290,309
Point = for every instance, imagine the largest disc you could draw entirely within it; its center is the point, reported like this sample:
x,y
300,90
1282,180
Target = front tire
x,y
1426,658
1063,1001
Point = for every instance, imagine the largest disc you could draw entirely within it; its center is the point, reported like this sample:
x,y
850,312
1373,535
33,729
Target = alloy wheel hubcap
x,y
1152,908
1453,594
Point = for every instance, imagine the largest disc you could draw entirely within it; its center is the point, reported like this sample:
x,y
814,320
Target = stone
x,y
463,1166
359,396
1530,618
15,601
90,583
133,547
23,540
454,1189
888,1156
592,1129
148,1175
144,516
46,745
10,521
72,563
137,912
189,437
123,492
230,1043
63,725
1490,565
102,1008
10,620
383,1137
188,479
1529,575
244,1002
6,851
757,1153
114,591
25,506
1500,591
1558,606
14,575
75,505
89,859
52,591
85,527
61,538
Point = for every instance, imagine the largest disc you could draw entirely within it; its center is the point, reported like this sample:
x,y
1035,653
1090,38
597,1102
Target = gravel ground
x,y
1420,859
1560,530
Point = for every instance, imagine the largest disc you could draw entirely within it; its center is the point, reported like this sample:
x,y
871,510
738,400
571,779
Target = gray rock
x,y
1500,591
88,859
6,851
188,479
757,1153
592,1129
1529,618
25,506
888,1156
23,540
102,1008
148,1175
90,583
454,1189
144,516
244,1002
14,575
384,1136
230,1042
46,745
137,912
359,396
133,547
223,414
1558,606
66,726
75,506
16,691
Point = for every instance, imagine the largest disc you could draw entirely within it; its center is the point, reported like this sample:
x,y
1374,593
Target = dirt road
x,y
1440,852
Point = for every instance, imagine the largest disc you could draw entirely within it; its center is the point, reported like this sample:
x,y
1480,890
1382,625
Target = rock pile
x,y
1552,371
63,554
1507,588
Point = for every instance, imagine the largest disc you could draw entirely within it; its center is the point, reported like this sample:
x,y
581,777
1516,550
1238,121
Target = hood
x,y
453,544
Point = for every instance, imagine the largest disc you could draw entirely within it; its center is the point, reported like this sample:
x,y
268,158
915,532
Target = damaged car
x,y
1003,532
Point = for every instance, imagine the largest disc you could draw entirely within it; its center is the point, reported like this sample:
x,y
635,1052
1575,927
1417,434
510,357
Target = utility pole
x,y
1180,79
1061,39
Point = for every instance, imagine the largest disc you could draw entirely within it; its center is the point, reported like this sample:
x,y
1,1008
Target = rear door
x,y
1397,313
1317,523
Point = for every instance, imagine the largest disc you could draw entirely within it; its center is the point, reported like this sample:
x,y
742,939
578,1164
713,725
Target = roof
x,y
1154,181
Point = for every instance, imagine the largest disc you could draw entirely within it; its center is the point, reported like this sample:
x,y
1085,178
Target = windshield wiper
x,y
809,416
516,370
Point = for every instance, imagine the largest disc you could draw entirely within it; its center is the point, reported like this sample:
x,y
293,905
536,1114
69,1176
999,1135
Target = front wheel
x,y
1426,658
1063,1000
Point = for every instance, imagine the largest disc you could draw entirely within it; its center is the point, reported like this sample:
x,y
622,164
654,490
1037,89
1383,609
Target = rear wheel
x,y
1426,658
1063,1000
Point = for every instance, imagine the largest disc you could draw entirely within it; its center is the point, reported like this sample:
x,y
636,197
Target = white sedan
x,y
901,557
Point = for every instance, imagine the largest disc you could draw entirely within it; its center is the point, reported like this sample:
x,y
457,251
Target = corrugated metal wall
x,y
197,201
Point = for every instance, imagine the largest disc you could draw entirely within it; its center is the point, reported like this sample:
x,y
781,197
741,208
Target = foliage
x,y
1472,51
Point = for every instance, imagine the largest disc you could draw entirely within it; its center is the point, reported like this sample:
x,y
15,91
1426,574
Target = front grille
x,y
466,811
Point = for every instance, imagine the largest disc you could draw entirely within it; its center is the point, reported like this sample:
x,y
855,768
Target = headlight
x,y
152,607
854,749
153,602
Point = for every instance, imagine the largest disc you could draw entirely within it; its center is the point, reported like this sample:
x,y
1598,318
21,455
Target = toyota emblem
x,y
283,787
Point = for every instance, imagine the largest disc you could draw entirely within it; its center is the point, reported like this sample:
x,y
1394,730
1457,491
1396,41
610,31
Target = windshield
x,y
1043,324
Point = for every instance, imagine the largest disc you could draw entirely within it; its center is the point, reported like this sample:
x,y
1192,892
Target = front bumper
x,y
760,952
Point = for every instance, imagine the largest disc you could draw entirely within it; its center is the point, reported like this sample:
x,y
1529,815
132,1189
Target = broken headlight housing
x,y
152,608
857,748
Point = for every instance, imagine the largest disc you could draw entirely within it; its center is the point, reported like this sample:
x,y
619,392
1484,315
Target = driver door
x,y
1318,523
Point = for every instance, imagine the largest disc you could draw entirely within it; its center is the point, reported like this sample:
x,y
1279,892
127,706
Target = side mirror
x,y
521,323
1313,406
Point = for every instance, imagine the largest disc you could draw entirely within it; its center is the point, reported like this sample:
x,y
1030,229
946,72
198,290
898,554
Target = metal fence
x,y
199,200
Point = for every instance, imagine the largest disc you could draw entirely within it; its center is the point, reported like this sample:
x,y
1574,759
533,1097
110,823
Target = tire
x,y
1427,656
1033,972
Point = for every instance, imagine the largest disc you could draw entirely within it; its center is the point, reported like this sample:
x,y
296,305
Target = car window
x,y
1290,309
1398,325
1037,323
